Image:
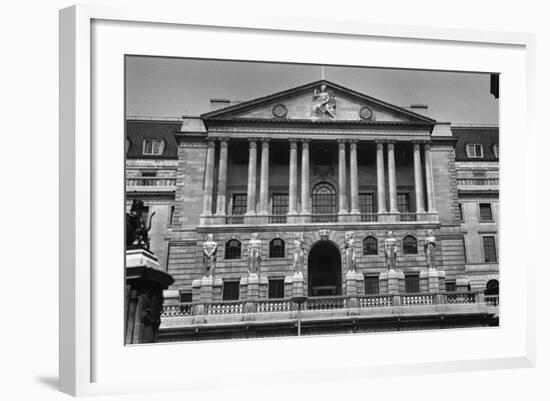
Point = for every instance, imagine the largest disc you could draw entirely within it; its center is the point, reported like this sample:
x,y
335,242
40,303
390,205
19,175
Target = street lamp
x,y
299,301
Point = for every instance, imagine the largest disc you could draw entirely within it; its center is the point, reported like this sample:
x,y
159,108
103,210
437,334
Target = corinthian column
x,y
209,178
418,184
305,177
391,178
429,178
354,183
342,199
222,178
251,198
292,177
380,177
264,177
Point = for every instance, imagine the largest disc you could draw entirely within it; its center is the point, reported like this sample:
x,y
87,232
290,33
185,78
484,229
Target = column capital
x,y
391,146
340,140
222,139
293,143
427,146
305,140
264,139
252,143
353,145
211,143
419,141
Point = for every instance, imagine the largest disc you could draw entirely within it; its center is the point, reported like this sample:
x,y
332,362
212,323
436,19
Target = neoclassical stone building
x,y
313,162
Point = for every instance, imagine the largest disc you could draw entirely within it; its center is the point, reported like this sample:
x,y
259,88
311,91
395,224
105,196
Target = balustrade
x,y
491,300
374,301
478,181
324,303
150,182
460,297
274,305
418,299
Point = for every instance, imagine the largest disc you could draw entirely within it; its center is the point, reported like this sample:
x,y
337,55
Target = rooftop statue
x,y
350,251
137,233
390,250
429,249
209,250
324,102
254,254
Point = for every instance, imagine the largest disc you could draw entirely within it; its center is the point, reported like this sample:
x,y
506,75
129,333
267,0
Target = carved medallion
x,y
279,111
366,113
323,234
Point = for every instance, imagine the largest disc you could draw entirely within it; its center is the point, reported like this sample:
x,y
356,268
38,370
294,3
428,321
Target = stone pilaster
x,y
292,178
354,182
305,177
251,198
429,178
264,178
209,179
391,178
222,179
342,197
418,182
380,177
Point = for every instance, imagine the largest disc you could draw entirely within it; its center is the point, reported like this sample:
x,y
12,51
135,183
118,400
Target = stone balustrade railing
x,y
328,303
150,182
366,218
478,181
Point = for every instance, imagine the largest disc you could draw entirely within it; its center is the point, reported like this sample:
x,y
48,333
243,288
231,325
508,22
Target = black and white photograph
x,y
279,199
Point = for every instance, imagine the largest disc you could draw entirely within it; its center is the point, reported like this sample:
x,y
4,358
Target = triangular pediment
x,y
319,101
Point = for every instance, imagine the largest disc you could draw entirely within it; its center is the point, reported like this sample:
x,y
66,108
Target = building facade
x,y
324,164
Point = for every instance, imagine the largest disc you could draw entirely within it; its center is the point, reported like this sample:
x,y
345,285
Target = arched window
x,y
276,248
410,245
323,199
492,287
233,249
370,246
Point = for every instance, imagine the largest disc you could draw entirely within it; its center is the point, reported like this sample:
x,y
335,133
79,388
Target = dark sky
x,y
172,87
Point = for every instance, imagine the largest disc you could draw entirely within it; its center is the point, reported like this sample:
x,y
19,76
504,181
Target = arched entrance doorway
x,y
324,270
492,287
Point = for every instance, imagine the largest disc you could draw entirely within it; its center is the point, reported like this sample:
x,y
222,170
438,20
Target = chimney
x,y
216,104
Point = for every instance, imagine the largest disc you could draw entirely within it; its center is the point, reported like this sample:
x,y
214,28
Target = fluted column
x,y
391,178
380,177
418,182
209,178
429,178
305,177
222,178
354,182
264,177
342,199
292,177
251,198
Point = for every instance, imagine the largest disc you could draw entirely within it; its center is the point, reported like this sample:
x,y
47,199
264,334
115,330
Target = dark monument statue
x,y
137,233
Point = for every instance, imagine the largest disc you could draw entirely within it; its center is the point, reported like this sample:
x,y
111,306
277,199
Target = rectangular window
x,y
148,173
153,147
474,150
276,288
239,204
485,212
230,290
171,219
412,283
460,212
280,204
450,286
489,248
366,203
185,297
403,203
372,285
479,174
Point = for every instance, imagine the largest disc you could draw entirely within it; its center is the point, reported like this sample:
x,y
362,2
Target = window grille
x,y
370,246
410,245
233,249
372,285
412,283
280,204
489,249
276,288
230,291
276,248
485,212
366,203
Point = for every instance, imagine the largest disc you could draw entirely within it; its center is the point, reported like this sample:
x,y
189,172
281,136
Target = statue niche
x,y
137,232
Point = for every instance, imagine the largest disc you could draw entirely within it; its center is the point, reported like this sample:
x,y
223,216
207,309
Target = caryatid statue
x,y
299,253
254,254
349,250
429,249
390,250
209,249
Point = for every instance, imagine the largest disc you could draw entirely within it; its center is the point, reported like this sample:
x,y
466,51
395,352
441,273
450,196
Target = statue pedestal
x,y
252,284
298,289
205,290
355,286
145,282
435,278
392,282
217,285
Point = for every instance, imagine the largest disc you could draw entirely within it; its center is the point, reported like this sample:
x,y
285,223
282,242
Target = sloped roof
x,y
139,130
487,137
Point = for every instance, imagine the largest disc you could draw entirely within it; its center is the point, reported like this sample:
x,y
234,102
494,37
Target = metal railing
x,y
491,300
324,218
150,182
234,219
406,216
277,219
368,217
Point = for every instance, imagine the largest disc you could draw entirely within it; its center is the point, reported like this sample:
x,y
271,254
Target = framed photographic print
x,y
333,200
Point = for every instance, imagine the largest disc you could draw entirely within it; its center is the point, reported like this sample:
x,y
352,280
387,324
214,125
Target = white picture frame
x,y
90,357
